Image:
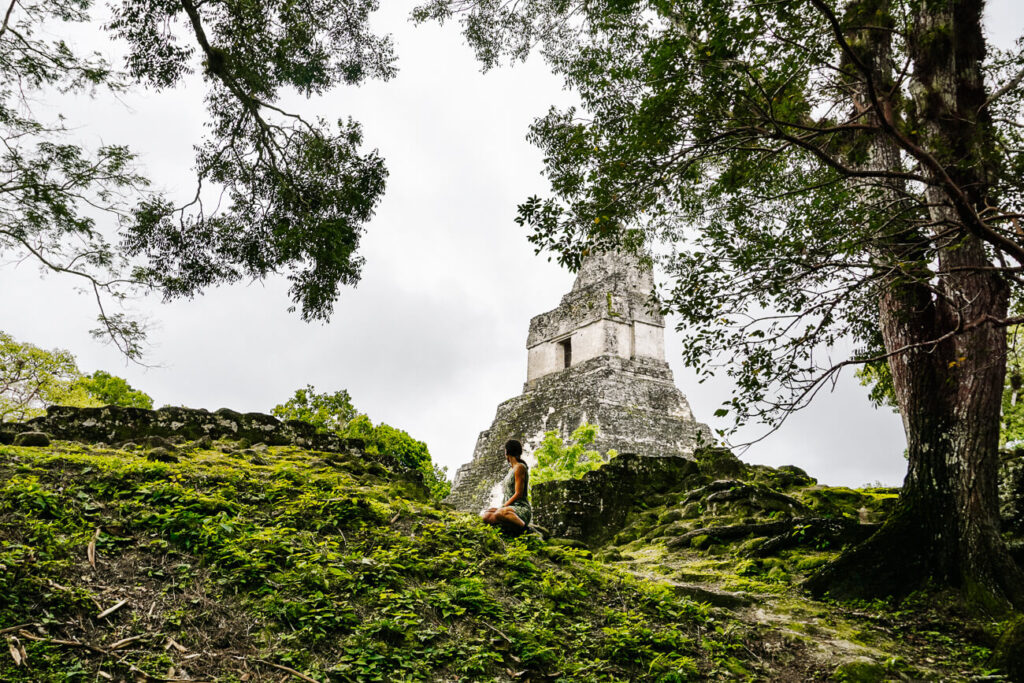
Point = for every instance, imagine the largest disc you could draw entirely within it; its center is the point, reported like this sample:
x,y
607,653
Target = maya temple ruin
x,y
599,357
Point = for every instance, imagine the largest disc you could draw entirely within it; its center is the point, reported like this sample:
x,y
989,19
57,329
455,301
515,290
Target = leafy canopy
x,y
32,378
111,390
326,412
335,413
1012,426
274,192
557,461
727,136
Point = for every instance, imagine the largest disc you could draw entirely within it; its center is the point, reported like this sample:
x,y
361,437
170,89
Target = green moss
x,y
835,501
807,564
1008,655
624,537
700,542
860,671
719,463
330,565
692,511
336,567
670,516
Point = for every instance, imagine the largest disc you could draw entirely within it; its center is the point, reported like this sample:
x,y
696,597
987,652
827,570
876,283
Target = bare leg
x,y
508,520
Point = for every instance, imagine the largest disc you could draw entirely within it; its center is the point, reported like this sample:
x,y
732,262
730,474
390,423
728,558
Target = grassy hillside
x,y
283,564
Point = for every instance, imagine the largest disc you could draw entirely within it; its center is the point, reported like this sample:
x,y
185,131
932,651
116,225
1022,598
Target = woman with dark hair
x,y
515,514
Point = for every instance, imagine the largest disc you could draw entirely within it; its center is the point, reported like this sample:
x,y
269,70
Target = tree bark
x,y
949,378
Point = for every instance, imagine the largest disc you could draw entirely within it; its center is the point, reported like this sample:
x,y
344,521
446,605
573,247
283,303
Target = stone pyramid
x,y
599,358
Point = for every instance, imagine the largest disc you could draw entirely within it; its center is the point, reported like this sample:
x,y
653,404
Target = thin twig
x,y
287,669
110,610
507,639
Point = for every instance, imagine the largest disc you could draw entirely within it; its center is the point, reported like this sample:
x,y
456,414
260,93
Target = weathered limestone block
x,y
115,424
33,439
597,358
594,507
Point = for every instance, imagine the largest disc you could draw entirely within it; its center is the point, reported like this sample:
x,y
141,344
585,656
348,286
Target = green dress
x,y
522,506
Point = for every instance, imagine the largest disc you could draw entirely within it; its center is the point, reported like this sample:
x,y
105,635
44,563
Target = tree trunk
x,y
949,380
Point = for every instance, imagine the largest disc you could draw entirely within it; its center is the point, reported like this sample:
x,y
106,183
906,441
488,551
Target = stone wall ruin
x,y
599,358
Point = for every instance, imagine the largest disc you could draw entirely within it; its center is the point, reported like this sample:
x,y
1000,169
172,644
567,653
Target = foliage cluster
x,y
334,568
32,378
878,378
336,413
1011,433
112,390
387,440
741,135
274,192
327,412
826,183
557,461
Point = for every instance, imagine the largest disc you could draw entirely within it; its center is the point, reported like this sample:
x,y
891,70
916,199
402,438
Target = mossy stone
x,y
748,568
860,671
624,537
1009,652
158,442
568,543
161,454
806,564
719,463
32,439
691,511
789,476
676,529
700,542
658,531
670,516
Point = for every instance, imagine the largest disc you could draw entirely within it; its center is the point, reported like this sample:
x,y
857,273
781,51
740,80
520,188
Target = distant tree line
x,y
335,413
32,378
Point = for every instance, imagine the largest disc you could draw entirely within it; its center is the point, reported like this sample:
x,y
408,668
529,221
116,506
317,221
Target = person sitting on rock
x,y
514,515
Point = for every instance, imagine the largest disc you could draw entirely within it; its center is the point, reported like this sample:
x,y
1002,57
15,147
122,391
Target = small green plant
x,y
326,412
336,413
557,461
111,390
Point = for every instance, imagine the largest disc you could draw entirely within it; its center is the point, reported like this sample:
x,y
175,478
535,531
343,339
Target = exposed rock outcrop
x,y
595,506
114,424
32,439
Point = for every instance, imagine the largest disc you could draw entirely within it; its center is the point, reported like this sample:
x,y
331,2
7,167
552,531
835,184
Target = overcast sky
x,y
434,337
